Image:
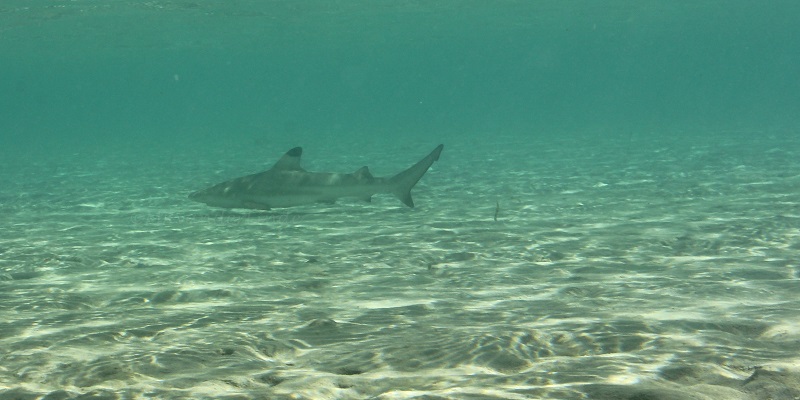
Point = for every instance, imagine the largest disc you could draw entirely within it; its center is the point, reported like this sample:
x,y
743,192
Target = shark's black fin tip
x,y
405,181
437,151
290,161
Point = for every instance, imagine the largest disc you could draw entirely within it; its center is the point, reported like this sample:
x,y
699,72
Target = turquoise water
x,y
615,214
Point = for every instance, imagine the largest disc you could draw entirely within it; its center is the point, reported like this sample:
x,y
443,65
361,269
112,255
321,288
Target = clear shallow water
x,y
615,268
640,159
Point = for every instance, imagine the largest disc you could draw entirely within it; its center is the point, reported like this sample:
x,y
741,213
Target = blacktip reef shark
x,y
287,184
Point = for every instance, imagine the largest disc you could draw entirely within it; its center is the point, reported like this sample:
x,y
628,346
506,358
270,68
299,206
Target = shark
x,y
287,184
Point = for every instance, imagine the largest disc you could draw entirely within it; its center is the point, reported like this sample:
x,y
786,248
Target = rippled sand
x,y
616,268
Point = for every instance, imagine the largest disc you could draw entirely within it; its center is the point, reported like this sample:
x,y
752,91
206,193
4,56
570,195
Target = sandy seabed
x,y
615,269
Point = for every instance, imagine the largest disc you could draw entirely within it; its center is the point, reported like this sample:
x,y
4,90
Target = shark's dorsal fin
x,y
363,174
290,161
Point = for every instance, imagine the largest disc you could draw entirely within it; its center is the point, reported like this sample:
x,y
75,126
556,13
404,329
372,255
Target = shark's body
x,y
287,184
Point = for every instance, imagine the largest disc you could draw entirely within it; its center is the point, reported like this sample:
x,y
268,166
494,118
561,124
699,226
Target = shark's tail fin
x,y
402,183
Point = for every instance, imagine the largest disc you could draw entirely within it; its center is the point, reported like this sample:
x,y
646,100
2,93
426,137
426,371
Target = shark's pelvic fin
x,y
290,161
402,183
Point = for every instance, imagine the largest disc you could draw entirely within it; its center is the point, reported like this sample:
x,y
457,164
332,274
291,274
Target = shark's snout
x,y
200,196
215,198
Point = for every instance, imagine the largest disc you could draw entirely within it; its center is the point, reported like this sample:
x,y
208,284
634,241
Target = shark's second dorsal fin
x,y
363,174
290,161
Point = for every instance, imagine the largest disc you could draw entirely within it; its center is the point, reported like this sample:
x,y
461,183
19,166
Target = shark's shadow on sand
x,y
287,184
